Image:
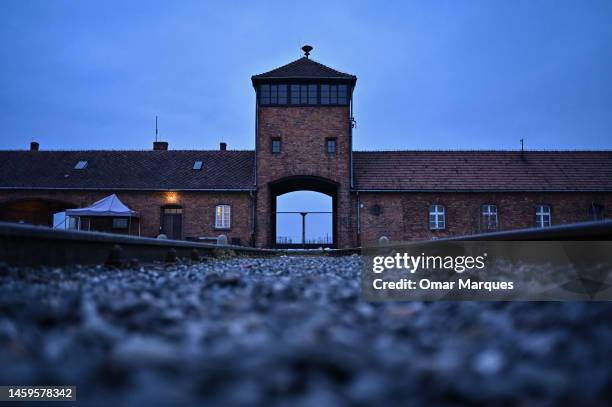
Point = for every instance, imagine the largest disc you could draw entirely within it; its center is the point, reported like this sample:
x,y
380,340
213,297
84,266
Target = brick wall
x,y
303,132
198,208
404,216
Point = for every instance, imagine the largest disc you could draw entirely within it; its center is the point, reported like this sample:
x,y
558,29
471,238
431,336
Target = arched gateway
x,y
303,141
303,183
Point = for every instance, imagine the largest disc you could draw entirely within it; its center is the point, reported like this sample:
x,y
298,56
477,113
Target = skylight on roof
x,y
197,165
80,165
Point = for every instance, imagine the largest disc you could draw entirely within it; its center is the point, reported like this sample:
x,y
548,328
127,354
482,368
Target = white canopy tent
x,y
111,206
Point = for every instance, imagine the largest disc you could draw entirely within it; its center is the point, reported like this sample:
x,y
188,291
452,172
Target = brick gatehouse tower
x,y
303,141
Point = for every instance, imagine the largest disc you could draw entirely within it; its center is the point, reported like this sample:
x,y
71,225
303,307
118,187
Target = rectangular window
x,y
197,165
295,94
312,94
276,145
273,94
120,223
303,94
325,94
342,94
282,94
222,217
489,217
437,215
331,145
543,218
264,94
334,94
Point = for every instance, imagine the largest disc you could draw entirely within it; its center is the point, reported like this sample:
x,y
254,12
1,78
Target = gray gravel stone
x,y
289,331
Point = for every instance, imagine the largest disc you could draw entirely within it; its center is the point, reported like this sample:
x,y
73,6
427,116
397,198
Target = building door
x,y
172,222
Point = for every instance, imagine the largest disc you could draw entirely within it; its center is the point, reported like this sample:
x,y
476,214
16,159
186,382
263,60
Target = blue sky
x,y
432,75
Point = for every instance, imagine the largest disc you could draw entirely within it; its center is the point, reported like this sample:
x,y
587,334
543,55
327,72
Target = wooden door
x,y
172,222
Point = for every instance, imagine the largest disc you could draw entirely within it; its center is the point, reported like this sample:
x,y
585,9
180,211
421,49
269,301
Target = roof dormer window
x,y
197,165
81,165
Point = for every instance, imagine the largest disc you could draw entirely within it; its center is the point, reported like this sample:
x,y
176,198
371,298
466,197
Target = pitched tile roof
x,y
127,170
373,170
483,170
303,68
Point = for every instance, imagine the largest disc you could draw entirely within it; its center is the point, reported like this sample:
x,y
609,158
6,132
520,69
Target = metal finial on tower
x,y
306,49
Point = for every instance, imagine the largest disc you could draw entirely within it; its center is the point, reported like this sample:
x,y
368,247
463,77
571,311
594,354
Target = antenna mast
x,y
156,128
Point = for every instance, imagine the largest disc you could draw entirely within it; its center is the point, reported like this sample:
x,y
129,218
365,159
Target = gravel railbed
x,y
289,331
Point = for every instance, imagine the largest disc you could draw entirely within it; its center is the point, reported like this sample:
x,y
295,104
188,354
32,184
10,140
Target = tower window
x,y
264,94
330,145
543,218
273,94
304,94
489,217
197,165
333,94
295,94
276,145
282,94
223,217
342,94
437,217
312,94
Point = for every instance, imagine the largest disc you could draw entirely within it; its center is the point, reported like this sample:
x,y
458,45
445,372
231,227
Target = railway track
x,y
26,245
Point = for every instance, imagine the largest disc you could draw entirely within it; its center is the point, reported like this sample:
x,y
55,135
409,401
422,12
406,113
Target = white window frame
x,y
489,217
543,216
438,222
223,216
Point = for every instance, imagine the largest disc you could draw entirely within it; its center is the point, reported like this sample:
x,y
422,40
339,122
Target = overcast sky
x,y
431,75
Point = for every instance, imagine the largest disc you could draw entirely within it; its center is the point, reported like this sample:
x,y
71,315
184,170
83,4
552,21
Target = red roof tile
x,y
483,170
127,169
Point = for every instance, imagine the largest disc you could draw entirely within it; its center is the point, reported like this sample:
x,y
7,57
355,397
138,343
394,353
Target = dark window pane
x,y
304,94
331,146
295,94
325,94
276,146
333,96
282,94
273,98
264,94
342,94
312,94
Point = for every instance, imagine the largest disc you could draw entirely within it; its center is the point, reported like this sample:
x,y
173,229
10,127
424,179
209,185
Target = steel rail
x,y
26,245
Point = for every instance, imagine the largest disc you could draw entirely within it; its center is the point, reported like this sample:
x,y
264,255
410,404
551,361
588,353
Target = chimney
x,y
160,145
34,146
222,146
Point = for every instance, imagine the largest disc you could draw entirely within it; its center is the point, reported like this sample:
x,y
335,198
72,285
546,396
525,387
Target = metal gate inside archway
x,y
304,219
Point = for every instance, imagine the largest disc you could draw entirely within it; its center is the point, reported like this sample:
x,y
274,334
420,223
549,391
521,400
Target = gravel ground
x,y
289,331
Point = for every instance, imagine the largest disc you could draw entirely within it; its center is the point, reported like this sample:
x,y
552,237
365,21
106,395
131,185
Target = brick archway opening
x,y
33,211
304,183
